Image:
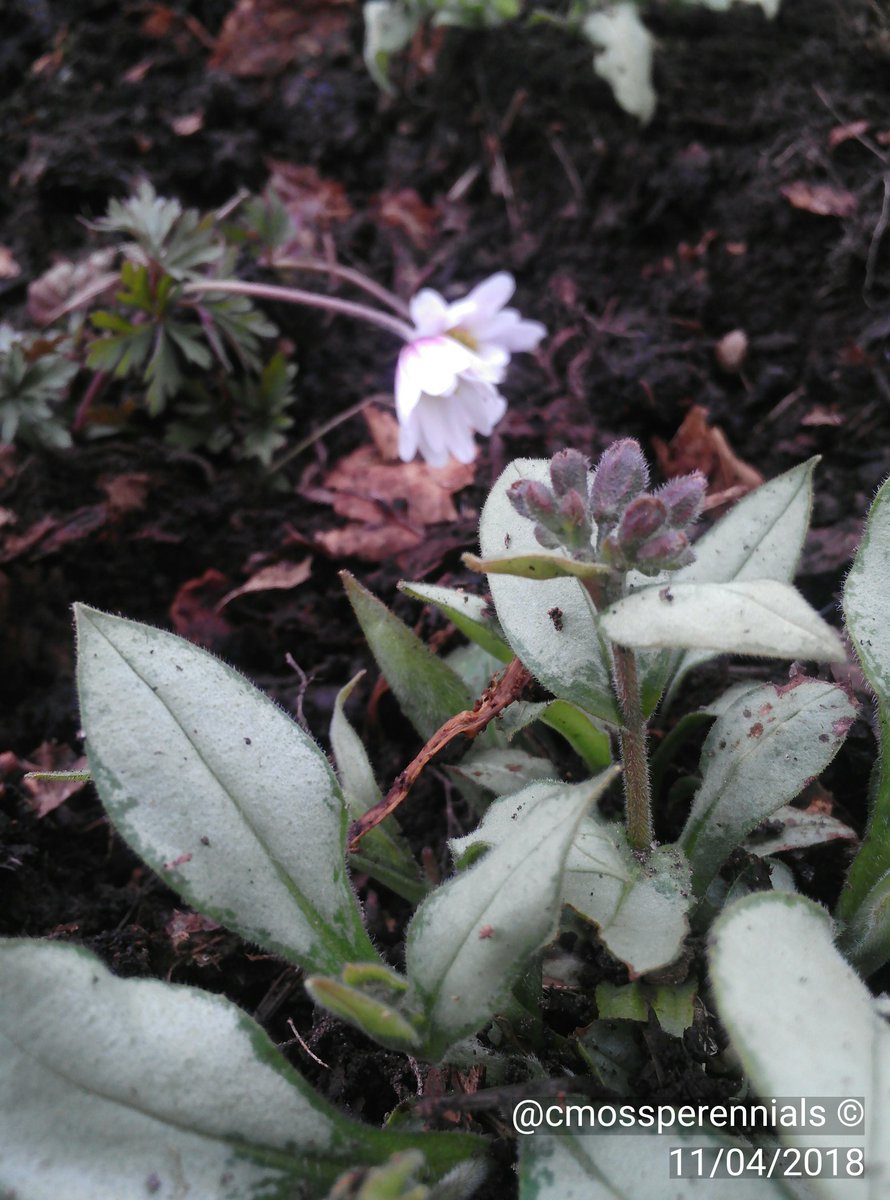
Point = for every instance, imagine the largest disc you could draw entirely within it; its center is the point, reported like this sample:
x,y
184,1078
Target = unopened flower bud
x,y
532,499
573,510
683,498
547,538
568,471
666,551
621,475
641,519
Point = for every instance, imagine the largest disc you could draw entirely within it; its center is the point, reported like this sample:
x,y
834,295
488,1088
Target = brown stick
x,y
501,692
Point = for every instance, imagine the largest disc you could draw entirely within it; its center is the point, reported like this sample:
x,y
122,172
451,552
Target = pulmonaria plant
x,y
650,930
447,374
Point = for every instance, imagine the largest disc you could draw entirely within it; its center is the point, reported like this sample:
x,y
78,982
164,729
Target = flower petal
x,y
508,331
481,404
429,312
430,365
490,296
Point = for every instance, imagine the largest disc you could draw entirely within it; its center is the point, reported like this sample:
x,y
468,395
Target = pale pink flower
x,y
447,374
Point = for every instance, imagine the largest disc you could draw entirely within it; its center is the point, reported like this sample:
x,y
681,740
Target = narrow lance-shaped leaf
x,y
867,610
384,853
221,793
428,691
551,624
116,1088
757,756
470,939
804,1024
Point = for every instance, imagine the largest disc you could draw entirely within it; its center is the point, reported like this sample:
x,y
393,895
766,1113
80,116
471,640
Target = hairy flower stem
x,y
269,291
632,737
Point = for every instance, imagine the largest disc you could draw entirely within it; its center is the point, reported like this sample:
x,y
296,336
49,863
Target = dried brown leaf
x,y
193,612
698,446
820,199
262,37
843,133
126,493
404,211
280,576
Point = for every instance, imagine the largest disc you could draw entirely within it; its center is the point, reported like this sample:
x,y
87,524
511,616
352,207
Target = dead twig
x,y
501,692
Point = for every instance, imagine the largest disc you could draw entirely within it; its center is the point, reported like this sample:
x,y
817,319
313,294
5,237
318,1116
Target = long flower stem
x,y
320,432
632,737
270,291
348,275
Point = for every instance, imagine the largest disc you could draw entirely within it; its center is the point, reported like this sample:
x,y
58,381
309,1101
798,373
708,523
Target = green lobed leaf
x,y
221,793
149,1088
761,617
757,756
867,612
803,1023
470,939
551,625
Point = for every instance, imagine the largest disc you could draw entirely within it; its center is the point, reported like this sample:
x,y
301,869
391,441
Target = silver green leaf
x,y
804,1024
116,1088
218,790
761,537
762,617
639,908
470,939
550,624
867,610
757,756
504,772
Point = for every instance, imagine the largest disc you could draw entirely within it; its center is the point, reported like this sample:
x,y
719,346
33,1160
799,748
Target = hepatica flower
x,y
447,374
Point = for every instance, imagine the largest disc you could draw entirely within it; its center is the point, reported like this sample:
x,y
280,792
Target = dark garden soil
x,y
756,200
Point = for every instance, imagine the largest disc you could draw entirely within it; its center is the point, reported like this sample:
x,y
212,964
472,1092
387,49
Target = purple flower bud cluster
x,y
561,512
648,531
636,528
